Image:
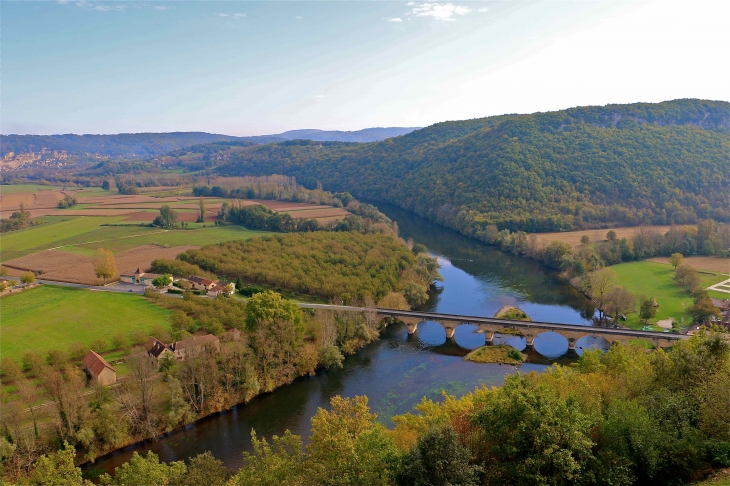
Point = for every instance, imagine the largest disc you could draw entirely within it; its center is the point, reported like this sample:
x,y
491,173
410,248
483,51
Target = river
x,y
398,370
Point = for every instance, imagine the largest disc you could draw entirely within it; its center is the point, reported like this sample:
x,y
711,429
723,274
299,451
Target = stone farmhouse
x,y
138,277
99,370
200,283
195,345
156,348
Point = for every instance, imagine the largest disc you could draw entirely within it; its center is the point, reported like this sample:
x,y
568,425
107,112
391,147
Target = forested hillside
x,y
578,168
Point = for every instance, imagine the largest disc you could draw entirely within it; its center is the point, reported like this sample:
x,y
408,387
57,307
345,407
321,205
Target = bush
x,y
138,337
99,345
10,369
77,351
33,362
119,341
57,358
27,277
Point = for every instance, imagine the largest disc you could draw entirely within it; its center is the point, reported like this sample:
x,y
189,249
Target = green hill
x,y
578,168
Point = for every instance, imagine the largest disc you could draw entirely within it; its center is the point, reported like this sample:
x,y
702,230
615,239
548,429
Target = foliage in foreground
x,y
624,417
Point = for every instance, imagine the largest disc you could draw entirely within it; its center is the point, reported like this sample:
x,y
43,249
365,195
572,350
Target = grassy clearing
x,y
656,280
496,354
26,241
51,317
26,188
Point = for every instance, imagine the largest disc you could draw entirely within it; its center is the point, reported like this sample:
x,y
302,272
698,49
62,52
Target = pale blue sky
x,y
250,68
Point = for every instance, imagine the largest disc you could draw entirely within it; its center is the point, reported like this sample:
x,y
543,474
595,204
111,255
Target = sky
x,y
253,68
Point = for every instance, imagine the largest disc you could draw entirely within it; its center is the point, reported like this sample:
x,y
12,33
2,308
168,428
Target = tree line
x,y
265,343
706,238
617,418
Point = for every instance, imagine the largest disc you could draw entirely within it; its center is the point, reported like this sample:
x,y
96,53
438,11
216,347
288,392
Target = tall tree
x,y
201,215
105,265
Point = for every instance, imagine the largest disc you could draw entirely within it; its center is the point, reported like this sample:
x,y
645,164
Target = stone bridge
x,y
529,330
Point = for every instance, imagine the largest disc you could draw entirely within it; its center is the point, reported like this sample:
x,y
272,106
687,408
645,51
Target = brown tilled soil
x,y
90,212
709,264
188,217
142,256
318,213
34,213
68,267
573,237
48,197
12,201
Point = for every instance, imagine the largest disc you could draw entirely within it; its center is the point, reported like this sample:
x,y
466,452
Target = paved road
x,y
426,316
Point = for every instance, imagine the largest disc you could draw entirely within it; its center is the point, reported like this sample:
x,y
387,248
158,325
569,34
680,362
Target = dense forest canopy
x,y
579,168
318,263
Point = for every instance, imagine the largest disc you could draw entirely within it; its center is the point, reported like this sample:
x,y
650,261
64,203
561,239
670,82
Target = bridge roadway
x,y
528,329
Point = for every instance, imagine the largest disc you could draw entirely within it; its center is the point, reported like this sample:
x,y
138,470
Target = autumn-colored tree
x,y
600,284
676,259
105,265
27,277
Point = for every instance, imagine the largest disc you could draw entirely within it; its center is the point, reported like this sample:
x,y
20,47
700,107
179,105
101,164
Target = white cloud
x,y
482,10
157,7
98,7
439,11
239,15
298,17
396,19
235,15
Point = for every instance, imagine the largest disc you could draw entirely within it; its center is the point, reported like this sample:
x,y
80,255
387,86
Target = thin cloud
x,y
298,17
235,15
396,19
439,11
482,10
157,7
95,6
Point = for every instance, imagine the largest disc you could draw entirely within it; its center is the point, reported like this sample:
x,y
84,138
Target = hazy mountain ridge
x,y
141,145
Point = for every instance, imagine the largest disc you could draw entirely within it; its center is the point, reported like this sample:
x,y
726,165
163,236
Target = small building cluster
x,y
213,288
723,305
182,349
138,277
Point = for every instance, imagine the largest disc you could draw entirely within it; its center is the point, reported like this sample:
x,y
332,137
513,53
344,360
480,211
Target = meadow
x,y
53,317
653,279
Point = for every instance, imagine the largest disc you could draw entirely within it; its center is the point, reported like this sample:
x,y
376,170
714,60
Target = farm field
x,y
79,267
573,237
702,263
656,280
51,317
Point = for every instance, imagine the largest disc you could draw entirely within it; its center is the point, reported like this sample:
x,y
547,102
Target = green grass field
x,y
83,235
198,237
656,280
53,317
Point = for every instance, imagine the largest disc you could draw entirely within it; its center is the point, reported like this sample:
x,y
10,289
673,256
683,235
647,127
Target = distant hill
x,y
582,167
124,145
27,149
365,135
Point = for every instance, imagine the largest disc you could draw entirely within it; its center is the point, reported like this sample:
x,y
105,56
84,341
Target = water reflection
x,y
397,371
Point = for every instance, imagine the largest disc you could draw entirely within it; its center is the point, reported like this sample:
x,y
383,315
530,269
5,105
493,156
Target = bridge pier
x,y
571,344
530,341
489,337
450,332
